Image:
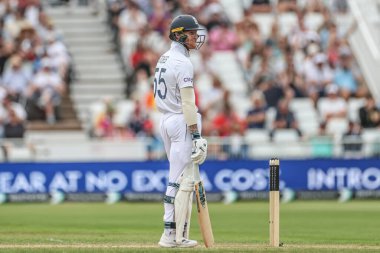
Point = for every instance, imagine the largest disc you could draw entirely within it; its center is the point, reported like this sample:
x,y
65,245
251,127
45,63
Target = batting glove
x,y
199,152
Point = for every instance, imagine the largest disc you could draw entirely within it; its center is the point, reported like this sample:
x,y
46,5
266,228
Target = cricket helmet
x,y
183,23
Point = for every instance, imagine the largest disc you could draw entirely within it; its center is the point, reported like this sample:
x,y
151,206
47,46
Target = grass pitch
x,y
306,226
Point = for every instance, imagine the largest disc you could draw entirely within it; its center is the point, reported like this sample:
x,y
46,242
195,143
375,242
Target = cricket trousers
x,y
178,145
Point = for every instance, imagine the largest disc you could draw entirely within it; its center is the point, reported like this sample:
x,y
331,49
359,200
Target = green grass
x,y
313,226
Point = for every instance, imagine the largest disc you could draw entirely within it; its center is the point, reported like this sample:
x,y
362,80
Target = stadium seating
x,y
306,115
285,136
354,105
257,136
337,126
371,140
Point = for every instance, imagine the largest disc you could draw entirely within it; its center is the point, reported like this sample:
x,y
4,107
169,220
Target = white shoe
x,y
187,243
169,242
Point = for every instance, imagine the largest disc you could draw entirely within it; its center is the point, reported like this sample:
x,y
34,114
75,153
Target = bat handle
x,y
197,176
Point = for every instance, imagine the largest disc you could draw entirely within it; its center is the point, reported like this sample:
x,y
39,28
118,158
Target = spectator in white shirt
x,y
318,75
333,106
46,90
131,21
58,54
16,79
32,12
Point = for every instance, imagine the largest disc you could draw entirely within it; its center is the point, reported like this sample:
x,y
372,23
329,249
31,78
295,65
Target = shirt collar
x,y
180,48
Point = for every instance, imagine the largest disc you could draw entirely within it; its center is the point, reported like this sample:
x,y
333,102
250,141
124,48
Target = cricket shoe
x,y
168,241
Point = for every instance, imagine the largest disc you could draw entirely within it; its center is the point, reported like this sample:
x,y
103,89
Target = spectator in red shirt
x,y
226,121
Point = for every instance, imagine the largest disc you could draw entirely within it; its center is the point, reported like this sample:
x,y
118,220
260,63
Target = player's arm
x,y
184,75
189,109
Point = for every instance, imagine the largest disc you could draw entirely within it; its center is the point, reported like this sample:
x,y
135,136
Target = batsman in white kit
x,y
180,128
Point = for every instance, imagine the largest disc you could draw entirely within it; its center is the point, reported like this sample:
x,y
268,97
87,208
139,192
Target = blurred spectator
x,y
13,22
173,7
142,89
46,27
58,55
288,94
314,5
326,30
273,52
271,90
15,127
227,121
223,37
266,62
275,40
138,57
333,45
6,49
344,75
256,116
27,41
159,17
113,11
46,90
250,40
340,6
284,119
333,106
131,21
12,119
352,141
32,12
307,62
228,124
286,5
104,126
318,75
261,6
154,42
16,79
212,14
300,35
141,65
369,114
108,122
138,120
212,98
290,78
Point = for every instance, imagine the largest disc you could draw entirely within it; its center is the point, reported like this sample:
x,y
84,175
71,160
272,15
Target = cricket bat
x,y
203,215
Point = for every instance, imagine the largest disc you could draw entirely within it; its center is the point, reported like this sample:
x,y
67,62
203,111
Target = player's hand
x,y
199,152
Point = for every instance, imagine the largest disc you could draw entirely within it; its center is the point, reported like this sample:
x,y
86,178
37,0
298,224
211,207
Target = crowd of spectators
x,y
305,62
34,67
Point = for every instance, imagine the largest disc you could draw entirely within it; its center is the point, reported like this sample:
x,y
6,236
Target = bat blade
x,y
203,215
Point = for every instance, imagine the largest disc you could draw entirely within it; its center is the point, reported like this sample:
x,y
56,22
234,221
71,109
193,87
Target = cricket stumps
x,y
274,202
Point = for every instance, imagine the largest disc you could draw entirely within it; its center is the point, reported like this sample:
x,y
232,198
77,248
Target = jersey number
x,y
160,81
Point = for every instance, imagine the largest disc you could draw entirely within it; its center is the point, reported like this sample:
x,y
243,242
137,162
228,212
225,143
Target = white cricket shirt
x,y
173,72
